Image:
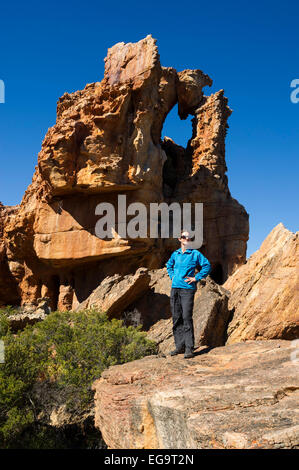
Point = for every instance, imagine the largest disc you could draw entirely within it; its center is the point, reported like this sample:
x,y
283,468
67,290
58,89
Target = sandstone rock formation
x,y
154,304
29,314
115,293
265,291
243,395
107,142
143,299
210,318
8,276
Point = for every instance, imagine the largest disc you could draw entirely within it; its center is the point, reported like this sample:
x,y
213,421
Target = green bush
x,y
67,350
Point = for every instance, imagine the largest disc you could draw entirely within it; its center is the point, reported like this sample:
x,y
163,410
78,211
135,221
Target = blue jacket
x,y
181,265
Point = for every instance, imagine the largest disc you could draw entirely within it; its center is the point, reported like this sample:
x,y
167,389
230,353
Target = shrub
x,y
68,350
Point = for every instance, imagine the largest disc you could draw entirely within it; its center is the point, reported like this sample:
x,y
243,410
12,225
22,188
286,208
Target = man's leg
x,y
177,319
187,303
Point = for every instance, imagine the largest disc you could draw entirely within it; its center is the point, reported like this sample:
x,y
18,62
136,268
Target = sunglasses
x,y
185,238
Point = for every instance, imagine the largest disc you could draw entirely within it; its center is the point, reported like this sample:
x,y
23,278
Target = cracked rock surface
x,y
265,291
243,395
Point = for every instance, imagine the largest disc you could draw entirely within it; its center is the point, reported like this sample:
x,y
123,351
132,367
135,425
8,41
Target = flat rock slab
x,y
243,395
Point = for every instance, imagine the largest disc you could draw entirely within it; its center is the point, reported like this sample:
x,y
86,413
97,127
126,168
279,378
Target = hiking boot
x,y
188,354
177,351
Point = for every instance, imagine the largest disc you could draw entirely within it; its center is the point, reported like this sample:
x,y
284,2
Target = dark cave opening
x,y
217,274
55,281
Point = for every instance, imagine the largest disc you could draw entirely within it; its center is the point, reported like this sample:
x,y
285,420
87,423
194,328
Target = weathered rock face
x,y
138,299
265,291
29,314
143,299
8,273
210,318
106,142
115,293
154,304
240,396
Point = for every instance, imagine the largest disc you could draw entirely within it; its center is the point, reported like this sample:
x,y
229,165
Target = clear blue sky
x,y
249,48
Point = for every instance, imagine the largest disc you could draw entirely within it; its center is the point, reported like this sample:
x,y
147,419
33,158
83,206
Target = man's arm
x,y
170,265
205,267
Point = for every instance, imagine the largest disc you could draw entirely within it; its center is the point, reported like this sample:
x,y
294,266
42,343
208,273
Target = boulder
x,y
116,292
210,318
265,291
243,395
29,314
154,304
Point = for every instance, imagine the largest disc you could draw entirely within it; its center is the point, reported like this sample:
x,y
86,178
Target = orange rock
x,y
243,395
107,141
264,292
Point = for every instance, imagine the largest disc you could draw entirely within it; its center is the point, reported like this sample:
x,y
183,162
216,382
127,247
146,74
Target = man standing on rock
x,y
181,267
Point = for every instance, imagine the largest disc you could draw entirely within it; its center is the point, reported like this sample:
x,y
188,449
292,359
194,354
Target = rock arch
x,y
106,141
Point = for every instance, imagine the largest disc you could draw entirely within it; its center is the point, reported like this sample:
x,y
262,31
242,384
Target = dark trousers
x,y
181,303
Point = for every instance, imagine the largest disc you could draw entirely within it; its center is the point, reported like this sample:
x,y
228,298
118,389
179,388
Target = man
x,y
181,267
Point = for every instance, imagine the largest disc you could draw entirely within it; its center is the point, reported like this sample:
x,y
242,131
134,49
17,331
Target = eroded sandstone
x,y
265,291
106,142
243,395
210,318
